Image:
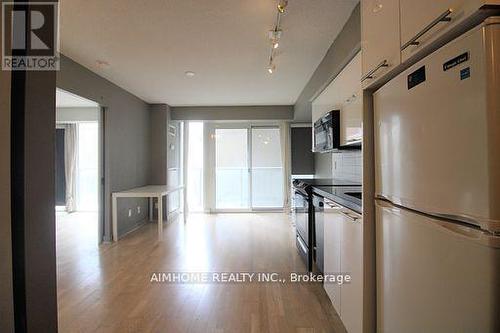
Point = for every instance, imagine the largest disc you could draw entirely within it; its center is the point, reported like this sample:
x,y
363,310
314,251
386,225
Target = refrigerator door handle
x,y
467,232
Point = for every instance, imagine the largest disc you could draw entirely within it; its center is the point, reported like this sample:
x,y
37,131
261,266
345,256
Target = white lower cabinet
x,y
332,255
343,253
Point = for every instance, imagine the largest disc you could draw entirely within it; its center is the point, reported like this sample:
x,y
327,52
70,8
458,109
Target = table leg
x,y
115,219
151,204
160,218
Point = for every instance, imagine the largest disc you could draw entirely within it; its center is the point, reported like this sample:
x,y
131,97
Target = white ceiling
x,y
65,99
149,47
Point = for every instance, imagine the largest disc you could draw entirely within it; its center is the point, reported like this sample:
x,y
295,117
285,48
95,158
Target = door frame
x,y
101,174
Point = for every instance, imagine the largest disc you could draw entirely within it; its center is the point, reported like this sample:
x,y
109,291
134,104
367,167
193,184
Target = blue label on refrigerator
x,y
465,73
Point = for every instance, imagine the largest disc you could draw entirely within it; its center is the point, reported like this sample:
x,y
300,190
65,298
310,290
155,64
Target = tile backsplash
x,y
348,165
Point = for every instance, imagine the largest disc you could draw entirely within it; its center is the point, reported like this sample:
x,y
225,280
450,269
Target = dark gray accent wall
x,y
6,294
159,125
127,139
343,49
302,155
270,112
33,213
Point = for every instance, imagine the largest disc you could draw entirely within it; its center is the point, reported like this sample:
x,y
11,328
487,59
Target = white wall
x,y
348,165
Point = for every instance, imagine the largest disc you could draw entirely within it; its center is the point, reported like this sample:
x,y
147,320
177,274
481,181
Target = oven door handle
x,y
302,194
301,243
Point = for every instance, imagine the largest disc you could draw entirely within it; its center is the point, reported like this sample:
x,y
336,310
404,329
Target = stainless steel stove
x,y
303,215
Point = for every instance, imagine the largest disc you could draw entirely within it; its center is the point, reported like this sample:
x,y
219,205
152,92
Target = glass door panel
x,y
267,168
231,168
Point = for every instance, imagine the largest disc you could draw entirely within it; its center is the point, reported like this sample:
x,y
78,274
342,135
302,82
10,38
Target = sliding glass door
x,y
231,168
248,168
267,168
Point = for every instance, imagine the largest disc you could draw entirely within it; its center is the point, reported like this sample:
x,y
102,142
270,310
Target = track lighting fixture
x,y
275,35
282,5
271,68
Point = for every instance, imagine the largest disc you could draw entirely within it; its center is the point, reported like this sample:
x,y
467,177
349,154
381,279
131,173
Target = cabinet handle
x,y
369,75
333,205
444,17
350,216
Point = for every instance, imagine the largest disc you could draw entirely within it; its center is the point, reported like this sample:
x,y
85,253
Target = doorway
x,y
79,193
248,167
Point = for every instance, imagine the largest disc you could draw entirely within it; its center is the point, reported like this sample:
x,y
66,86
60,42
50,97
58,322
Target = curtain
x,y
185,160
70,160
286,162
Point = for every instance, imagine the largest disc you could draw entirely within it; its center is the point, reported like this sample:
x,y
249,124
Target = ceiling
x,y
150,47
65,99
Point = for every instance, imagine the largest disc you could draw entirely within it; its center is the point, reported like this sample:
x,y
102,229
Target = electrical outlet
x,y
138,209
130,213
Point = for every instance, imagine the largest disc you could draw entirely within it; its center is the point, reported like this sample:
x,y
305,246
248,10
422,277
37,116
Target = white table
x,y
151,192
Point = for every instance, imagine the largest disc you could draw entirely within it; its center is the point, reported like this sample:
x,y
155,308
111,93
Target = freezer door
x,y
437,132
435,276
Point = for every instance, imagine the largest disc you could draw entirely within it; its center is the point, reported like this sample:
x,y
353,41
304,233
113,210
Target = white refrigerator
x,y
437,156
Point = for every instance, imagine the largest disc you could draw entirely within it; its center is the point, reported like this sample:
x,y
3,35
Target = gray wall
x,y
159,124
33,213
343,49
77,114
302,155
127,139
272,112
6,301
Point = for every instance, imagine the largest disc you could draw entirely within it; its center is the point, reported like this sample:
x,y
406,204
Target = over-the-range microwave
x,y
326,135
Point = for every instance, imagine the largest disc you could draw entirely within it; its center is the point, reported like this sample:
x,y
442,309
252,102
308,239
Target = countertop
x,y
342,195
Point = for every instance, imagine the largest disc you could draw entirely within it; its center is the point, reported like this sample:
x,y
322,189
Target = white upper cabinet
x,y
423,21
380,38
351,119
344,94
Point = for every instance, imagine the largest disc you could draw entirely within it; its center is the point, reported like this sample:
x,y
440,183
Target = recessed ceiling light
x,y
189,73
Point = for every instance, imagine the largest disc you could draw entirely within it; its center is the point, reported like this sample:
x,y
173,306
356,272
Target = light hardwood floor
x,y
108,289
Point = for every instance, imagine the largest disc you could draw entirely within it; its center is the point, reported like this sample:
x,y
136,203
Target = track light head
x,y
274,37
282,6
